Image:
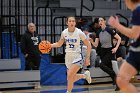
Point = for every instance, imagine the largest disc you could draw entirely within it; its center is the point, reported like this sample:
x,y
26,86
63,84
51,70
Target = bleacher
x,y
11,75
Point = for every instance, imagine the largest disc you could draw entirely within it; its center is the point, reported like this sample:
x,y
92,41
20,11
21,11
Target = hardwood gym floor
x,y
93,88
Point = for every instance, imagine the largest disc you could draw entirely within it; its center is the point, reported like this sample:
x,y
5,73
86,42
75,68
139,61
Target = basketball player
x,y
132,64
73,58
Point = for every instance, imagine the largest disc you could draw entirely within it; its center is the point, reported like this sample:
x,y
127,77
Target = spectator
x,y
29,47
96,28
90,36
121,52
82,22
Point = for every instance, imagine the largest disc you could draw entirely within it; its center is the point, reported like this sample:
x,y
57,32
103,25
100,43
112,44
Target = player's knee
x,y
122,82
118,80
69,76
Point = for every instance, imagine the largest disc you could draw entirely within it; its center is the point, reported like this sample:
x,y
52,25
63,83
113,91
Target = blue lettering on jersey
x,y
71,40
71,46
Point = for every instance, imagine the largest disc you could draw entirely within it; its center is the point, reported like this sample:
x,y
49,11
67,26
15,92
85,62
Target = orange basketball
x,y
44,47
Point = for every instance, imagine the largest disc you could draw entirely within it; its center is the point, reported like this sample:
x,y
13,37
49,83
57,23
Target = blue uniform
x,y
134,50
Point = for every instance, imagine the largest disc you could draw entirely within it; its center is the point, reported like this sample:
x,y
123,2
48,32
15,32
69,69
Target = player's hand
x,y
113,21
87,62
114,50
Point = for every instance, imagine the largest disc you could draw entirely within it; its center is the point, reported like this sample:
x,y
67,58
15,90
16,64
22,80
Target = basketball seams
x,y
45,46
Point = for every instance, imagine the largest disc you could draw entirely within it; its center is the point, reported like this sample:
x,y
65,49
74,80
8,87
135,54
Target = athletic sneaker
x,y
88,78
68,92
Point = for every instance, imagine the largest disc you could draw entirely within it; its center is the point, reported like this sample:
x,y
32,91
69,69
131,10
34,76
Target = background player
x,y
132,64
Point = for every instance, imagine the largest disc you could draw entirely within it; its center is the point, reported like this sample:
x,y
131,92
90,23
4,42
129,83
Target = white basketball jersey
x,y
72,40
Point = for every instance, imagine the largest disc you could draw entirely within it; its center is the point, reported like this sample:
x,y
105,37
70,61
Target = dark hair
x,y
96,20
102,17
85,29
135,1
69,17
93,36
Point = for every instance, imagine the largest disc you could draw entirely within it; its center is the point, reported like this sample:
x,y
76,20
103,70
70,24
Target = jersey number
x,y
71,46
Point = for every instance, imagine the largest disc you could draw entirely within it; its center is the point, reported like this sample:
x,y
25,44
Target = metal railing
x,y
83,6
125,18
15,13
46,16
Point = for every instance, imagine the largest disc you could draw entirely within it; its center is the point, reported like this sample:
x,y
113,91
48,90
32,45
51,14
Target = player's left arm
x,y
88,44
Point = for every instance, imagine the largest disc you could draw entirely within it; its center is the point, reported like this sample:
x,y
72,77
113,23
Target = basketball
x,y
45,47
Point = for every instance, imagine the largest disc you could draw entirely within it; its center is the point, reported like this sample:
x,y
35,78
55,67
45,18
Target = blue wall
x,y
51,74
54,74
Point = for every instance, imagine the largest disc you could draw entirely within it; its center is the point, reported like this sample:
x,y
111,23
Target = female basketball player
x,y
132,64
73,58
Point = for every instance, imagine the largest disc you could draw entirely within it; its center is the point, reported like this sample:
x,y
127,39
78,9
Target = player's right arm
x,y
133,32
59,43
